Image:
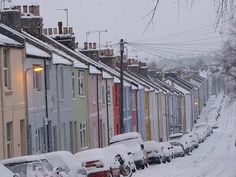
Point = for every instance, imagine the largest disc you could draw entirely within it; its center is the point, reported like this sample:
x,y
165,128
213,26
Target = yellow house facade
x,y
13,136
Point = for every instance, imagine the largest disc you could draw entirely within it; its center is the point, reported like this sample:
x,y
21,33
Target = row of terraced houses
x,y
55,96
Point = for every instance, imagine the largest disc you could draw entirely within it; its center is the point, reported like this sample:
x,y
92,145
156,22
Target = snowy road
x,y
216,157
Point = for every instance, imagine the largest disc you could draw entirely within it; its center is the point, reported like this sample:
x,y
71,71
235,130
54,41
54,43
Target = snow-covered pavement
x,y
216,157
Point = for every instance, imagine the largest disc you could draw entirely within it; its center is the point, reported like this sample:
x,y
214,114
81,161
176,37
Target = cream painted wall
x,y
14,104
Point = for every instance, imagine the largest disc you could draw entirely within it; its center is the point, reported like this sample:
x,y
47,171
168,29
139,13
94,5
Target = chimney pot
x,y
60,27
54,30
25,9
18,8
76,45
65,29
49,31
90,45
94,45
85,46
45,31
70,30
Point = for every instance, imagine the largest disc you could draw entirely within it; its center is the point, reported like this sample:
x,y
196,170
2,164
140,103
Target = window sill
x,y
83,148
8,92
82,96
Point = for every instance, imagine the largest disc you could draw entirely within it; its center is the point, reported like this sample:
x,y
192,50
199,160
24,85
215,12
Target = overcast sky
x,y
123,18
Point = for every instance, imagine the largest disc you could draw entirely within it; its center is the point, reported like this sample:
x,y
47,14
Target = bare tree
x,y
225,10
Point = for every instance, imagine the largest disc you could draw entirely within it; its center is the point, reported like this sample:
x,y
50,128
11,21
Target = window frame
x,y
6,69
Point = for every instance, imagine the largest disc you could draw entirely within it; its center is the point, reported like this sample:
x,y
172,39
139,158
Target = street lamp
x,y
36,69
67,17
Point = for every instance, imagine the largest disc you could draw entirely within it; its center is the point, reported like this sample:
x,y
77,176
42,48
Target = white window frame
x,y
37,80
6,69
82,132
73,84
81,75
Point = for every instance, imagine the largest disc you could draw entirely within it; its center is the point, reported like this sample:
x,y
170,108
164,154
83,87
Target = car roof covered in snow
x,y
21,159
63,159
125,136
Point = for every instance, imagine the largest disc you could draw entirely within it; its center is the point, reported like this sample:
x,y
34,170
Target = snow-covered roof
x,y
116,80
146,89
106,75
134,87
140,86
94,70
57,59
78,64
35,51
126,84
5,172
4,40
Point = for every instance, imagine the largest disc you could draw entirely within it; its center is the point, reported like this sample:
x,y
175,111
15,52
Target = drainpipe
x,y
99,131
46,107
2,112
136,102
108,122
58,109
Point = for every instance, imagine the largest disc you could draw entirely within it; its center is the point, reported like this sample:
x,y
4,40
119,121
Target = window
x,y
55,137
62,90
9,140
108,94
76,136
71,137
73,84
6,69
64,135
83,135
48,77
103,95
81,82
95,89
38,80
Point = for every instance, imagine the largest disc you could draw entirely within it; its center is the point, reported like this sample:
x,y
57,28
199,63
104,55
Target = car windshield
x,y
20,169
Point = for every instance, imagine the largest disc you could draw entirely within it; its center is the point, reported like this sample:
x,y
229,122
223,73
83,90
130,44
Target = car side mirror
x,y
16,175
142,146
129,153
57,170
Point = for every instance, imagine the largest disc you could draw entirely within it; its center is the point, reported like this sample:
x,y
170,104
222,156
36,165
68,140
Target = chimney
x,y
11,18
60,27
25,9
90,45
34,26
85,46
94,45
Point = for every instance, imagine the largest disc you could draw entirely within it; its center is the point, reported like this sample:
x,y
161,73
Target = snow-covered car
x,y
194,139
123,150
28,166
178,149
65,162
154,152
99,162
134,142
184,140
167,150
5,172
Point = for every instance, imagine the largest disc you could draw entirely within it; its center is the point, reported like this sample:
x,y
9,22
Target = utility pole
x,y
121,86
